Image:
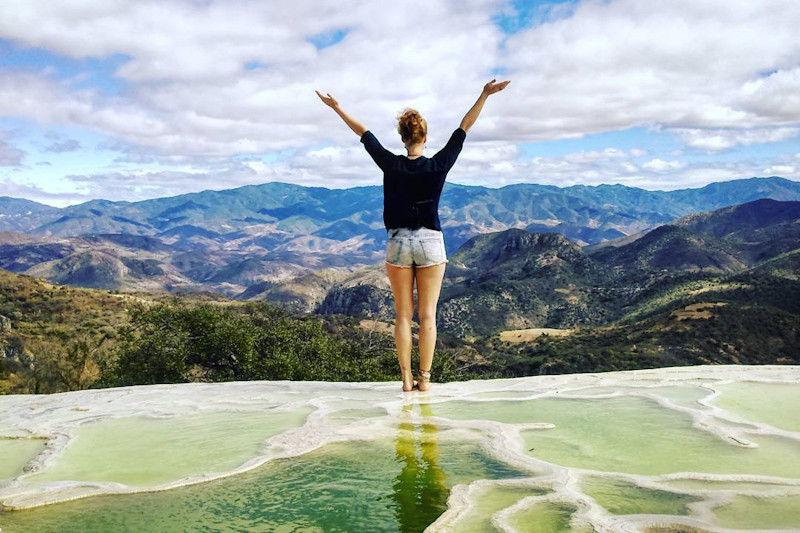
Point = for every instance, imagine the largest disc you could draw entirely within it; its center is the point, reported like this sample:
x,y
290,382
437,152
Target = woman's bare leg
x,y
402,281
429,285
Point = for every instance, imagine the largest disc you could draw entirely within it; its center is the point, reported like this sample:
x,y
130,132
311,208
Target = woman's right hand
x,y
492,87
330,101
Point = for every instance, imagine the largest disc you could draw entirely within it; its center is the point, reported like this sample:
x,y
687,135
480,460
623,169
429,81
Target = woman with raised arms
x,y
415,249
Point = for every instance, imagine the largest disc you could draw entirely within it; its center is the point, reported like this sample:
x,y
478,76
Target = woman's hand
x,y
472,115
330,101
357,127
492,87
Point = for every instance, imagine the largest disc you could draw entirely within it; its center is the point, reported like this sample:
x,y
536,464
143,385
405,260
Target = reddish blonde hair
x,y
411,126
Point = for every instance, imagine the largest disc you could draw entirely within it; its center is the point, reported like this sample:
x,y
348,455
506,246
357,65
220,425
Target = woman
x,y
412,185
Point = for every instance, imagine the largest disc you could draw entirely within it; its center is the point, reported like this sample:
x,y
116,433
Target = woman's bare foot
x,y
408,380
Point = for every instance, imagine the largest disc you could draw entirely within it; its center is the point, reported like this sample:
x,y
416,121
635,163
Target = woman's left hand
x,y
329,101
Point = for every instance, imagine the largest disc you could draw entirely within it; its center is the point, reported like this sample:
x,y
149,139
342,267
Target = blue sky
x,y
148,99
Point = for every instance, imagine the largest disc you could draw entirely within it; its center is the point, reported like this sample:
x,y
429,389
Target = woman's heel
x,y
413,385
423,379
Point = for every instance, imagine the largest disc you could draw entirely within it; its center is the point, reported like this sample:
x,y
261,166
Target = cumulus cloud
x,y
602,155
339,168
781,170
776,96
173,40
190,91
659,165
38,194
207,84
614,65
654,176
721,139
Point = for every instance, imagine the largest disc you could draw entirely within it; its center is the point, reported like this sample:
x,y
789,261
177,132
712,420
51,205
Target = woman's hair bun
x,y
411,126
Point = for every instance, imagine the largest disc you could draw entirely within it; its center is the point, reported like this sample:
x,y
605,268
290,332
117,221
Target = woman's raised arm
x,y
472,115
355,125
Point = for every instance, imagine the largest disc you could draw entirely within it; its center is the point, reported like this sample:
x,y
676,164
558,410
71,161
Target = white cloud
x,y
776,97
659,165
779,170
140,185
192,95
173,40
38,194
721,139
602,155
718,73
611,65
684,63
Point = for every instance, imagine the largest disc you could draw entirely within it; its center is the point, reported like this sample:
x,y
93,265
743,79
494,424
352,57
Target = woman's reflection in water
x,y
419,491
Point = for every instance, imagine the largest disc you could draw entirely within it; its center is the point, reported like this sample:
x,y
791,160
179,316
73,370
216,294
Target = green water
x,y
400,484
746,399
631,435
619,496
674,528
748,512
14,453
401,480
348,416
502,394
122,450
681,395
726,485
685,395
546,517
490,500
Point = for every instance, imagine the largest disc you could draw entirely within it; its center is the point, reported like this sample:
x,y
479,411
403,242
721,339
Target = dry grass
x,y
384,327
515,336
696,311
720,287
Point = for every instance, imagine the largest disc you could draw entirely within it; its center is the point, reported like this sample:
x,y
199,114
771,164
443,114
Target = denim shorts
x,y
419,247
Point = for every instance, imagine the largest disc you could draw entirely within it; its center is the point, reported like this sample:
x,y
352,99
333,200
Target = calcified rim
x,y
56,416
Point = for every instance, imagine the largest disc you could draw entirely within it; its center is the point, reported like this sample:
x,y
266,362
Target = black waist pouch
x,y
423,211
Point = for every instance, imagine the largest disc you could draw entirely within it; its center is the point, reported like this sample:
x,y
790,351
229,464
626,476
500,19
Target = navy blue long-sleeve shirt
x,y
412,187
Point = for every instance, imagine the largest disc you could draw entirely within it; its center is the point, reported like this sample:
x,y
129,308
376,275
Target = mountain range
x,y
720,285
272,240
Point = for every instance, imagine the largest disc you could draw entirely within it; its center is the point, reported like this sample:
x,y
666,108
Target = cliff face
x,y
358,300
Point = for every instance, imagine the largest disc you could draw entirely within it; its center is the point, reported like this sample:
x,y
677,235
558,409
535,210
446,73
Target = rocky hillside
x,y
515,279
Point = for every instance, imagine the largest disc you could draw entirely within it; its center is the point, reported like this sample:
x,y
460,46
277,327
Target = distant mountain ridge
x,y
290,207
229,241
745,233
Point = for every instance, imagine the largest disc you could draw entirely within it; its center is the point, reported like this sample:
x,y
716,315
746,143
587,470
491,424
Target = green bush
x,y
175,342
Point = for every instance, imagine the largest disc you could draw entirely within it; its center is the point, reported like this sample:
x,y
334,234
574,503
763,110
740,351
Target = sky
x,y
125,100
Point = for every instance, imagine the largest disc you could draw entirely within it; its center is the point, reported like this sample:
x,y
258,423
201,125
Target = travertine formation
x,y
722,437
